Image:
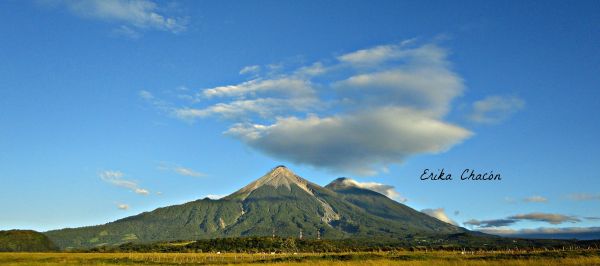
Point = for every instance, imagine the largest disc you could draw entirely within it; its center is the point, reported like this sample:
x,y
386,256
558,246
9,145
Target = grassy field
x,y
363,258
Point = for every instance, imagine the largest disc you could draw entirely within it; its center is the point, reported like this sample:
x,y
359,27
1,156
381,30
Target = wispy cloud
x,y
141,191
132,15
538,199
509,200
380,54
123,206
494,109
264,107
288,93
125,31
439,214
180,170
155,102
289,86
188,172
583,196
116,178
254,69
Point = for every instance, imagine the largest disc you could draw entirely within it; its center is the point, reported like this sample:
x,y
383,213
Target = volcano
x,y
279,203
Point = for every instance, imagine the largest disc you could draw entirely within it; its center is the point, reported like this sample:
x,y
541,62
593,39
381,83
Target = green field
x,y
581,257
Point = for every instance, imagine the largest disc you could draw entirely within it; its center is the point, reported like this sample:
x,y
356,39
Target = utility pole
x,y
300,233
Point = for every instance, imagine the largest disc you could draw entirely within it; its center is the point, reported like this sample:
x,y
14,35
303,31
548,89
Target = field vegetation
x,y
505,258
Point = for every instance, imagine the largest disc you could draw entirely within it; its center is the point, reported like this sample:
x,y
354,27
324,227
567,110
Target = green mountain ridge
x,y
279,203
25,241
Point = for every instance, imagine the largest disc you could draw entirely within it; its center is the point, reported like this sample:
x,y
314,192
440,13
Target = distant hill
x,y
25,241
279,203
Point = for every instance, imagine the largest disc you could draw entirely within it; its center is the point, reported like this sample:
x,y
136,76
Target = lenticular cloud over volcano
x,y
371,108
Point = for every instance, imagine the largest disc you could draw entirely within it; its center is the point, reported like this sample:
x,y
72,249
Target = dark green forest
x,y
462,241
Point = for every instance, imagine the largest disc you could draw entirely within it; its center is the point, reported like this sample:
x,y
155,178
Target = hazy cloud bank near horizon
x,y
581,233
551,218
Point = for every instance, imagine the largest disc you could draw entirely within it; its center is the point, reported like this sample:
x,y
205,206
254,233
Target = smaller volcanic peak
x,y
342,183
277,177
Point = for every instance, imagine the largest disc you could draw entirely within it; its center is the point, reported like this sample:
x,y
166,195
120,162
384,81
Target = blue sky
x,y
111,108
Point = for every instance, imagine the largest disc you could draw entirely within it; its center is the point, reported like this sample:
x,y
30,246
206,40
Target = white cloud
x,y
423,88
141,191
315,69
509,200
250,70
439,214
285,86
188,172
138,14
126,32
264,98
371,56
263,107
123,207
387,190
180,170
494,109
116,178
157,103
382,53
422,80
539,199
369,108
214,196
146,95
358,143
